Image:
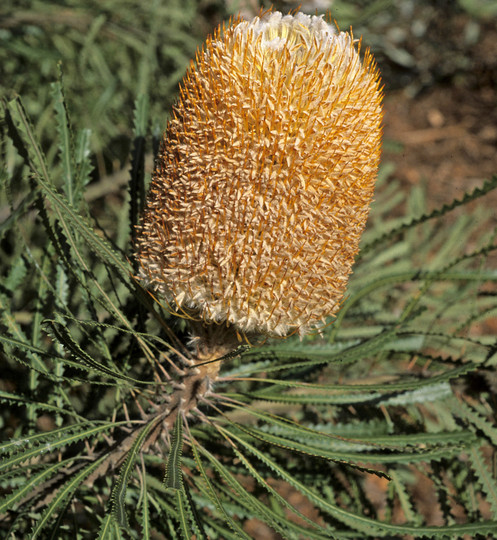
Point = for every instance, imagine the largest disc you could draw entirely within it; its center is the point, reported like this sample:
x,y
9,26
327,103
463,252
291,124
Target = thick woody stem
x,y
211,344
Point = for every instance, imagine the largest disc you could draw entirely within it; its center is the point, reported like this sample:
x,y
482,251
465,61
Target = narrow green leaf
x,y
362,523
21,133
42,290
475,420
253,472
468,197
280,421
55,378
174,474
60,205
311,397
193,516
119,489
182,513
312,357
411,515
106,531
63,494
83,161
15,445
358,452
424,394
47,443
16,274
485,478
137,183
55,531
20,344
391,386
20,400
213,496
64,337
64,139
15,215
30,483
145,513
390,279
140,115
243,497
18,339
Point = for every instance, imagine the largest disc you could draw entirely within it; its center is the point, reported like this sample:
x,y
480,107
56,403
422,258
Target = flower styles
x,y
264,177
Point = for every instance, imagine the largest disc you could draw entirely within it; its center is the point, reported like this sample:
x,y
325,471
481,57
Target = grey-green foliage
x,y
399,387
110,51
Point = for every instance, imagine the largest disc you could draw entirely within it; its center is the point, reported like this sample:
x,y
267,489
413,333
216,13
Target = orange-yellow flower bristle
x,y
265,175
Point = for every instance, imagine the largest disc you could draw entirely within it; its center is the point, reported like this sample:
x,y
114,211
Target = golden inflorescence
x,y
264,178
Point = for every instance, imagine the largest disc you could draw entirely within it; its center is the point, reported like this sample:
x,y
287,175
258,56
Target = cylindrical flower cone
x,y
264,177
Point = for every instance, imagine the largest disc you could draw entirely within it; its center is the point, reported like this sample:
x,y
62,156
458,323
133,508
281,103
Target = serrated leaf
x,y
107,529
64,337
362,523
213,496
313,357
245,498
15,215
17,399
18,339
16,274
29,484
404,499
137,181
63,494
394,278
15,445
193,516
83,162
174,474
311,397
48,442
182,515
140,115
468,197
475,420
50,356
485,478
425,394
64,139
144,509
253,472
119,490
394,385
62,207
356,453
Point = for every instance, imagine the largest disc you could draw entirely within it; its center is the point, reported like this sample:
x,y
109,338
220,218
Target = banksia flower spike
x,y
264,178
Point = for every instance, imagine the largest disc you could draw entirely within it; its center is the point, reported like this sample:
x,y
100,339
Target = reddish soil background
x,y
449,139
446,121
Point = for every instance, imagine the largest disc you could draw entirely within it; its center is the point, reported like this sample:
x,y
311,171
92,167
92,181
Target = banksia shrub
x,y
264,178
114,425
